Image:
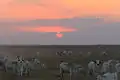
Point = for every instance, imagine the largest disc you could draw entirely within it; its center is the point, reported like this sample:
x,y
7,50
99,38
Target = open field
x,y
48,56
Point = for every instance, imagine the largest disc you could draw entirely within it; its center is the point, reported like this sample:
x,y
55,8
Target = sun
x,y
59,35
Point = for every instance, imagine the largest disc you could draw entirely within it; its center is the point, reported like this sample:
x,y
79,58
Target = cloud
x,y
70,22
28,2
65,13
41,3
90,30
12,26
52,9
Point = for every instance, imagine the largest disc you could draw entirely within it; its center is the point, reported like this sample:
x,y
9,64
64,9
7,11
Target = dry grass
x,y
48,57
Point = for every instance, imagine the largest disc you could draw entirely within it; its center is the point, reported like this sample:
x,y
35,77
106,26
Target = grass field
x,y
47,56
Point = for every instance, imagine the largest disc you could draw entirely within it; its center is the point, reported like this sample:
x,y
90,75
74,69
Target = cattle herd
x,y
101,70
107,69
20,66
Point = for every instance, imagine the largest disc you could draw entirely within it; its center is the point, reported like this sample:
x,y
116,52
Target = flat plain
x,y
49,57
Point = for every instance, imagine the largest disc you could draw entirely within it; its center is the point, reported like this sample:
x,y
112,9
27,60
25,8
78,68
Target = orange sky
x,y
46,29
44,9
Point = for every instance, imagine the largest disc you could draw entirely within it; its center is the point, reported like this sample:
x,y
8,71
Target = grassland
x,y
47,56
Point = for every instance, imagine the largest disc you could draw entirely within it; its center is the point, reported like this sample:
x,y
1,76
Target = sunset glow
x,y
74,21
46,29
49,29
49,9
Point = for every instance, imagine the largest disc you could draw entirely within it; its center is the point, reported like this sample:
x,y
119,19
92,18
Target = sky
x,y
78,22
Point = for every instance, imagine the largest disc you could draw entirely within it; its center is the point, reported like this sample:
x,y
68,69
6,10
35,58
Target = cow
x,y
35,63
76,71
104,53
43,66
20,68
14,65
99,77
110,76
94,67
117,66
59,53
3,63
71,68
63,67
27,67
89,54
105,67
91,67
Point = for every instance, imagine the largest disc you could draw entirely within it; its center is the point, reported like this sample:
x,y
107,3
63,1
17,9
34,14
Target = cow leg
x,y
28,72
14,69
61,74
62,78
90,72
5,68
70,75
21,72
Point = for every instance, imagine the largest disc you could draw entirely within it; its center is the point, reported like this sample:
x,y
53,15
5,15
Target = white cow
x,y
97,62
71,69
110,76
5,60
14,66
20,68
104,53
23,67
9,65
76,71
19,58
88,54
91,68
117,66
105,67
110,61
59,53
64,67
94,67
43,66
27,67
70,52
36,63
65,52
